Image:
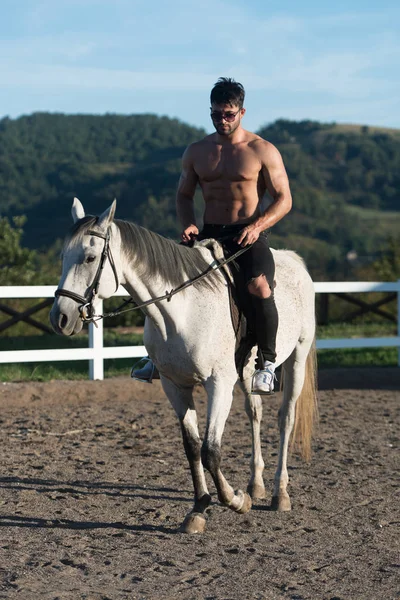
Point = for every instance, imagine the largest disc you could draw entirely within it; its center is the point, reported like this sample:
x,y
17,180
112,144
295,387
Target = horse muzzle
x,y
65,322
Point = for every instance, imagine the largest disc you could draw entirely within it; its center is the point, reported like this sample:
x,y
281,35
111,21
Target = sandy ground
x,y
94,486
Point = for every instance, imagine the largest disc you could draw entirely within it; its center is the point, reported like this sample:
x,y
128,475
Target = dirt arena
x,y
94,486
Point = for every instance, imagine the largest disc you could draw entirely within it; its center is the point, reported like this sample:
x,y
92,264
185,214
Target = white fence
x,y
96,352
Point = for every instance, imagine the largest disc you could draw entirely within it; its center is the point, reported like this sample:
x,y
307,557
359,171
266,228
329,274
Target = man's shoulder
x,y
263,148
194,147
260,143
208,139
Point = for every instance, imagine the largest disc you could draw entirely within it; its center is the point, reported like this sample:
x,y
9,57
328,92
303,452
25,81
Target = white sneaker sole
x,y
142,380
262,393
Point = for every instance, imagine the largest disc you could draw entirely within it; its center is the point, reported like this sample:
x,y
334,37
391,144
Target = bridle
x,y
86,308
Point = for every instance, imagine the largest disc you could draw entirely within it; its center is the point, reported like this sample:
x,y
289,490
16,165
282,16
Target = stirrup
x,y
144,370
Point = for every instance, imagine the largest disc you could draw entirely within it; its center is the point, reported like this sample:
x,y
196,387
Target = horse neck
x,y
143,289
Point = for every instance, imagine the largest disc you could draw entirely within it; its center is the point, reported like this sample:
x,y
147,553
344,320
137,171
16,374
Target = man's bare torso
x,y
231,178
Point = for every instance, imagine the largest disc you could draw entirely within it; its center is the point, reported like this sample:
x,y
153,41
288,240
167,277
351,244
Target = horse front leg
x,y
219,405
181,399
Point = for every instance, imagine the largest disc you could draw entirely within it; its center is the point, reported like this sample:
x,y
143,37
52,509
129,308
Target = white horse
x,y
191,340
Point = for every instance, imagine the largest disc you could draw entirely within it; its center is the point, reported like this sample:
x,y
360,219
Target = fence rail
x,y
96,353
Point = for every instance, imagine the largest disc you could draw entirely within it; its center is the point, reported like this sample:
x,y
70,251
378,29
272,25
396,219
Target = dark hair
x,y
227,91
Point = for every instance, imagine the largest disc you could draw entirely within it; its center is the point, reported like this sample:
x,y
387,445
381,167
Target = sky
x,y
330,62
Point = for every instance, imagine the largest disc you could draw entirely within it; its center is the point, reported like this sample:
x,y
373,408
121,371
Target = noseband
x,y
86,309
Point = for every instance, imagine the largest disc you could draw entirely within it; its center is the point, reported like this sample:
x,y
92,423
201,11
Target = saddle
x,y
240,307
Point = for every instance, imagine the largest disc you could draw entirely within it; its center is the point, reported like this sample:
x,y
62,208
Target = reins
x,y
86,309
168,295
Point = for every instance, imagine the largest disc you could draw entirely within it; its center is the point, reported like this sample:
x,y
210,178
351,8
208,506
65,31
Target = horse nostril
x,y
63,321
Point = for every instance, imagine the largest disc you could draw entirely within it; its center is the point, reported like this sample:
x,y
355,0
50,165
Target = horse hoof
x,y
194,523
281,503
246,506
256,491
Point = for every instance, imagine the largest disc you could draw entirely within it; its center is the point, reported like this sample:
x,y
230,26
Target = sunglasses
x,y
219,116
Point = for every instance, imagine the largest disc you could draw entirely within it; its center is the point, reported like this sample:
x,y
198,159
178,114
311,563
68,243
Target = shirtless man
x,y
234,169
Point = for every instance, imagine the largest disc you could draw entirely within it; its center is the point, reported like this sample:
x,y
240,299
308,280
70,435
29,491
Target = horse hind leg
x,y
299,372
182,402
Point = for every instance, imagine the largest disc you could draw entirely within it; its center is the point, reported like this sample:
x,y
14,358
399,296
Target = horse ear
x,y
107,217
77,210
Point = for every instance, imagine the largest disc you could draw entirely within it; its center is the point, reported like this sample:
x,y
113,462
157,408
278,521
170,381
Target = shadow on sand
x,y
360,378
39,523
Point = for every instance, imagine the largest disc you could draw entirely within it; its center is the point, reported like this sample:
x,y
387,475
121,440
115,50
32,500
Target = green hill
x,y
47,159
344,178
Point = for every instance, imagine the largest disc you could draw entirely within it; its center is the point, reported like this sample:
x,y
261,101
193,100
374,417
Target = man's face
x,y
226,117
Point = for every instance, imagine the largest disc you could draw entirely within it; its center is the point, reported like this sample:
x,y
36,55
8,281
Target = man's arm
x,y
277,183
184,197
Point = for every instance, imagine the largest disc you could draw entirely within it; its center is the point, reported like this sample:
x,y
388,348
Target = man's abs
x,y
227,203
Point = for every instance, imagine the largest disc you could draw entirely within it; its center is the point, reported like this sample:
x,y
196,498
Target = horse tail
x,y
306,408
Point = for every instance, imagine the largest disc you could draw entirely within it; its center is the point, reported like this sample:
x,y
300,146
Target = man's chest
x,y
228,164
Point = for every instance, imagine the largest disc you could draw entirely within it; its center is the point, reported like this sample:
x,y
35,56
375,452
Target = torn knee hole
x,y
259,286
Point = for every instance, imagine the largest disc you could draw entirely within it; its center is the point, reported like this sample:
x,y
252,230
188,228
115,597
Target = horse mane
x,y
153,255
156,256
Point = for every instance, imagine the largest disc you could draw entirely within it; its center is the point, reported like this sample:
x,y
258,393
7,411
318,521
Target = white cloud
x,y
46,76
185,46
47,48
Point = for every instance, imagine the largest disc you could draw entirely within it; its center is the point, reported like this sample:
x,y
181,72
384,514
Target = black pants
x,y
261,313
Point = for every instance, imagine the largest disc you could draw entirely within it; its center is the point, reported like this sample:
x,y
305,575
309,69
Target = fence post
x,y
96,365
324,309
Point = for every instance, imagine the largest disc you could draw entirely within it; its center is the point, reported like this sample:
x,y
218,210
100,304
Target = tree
x,y
387,266
17,264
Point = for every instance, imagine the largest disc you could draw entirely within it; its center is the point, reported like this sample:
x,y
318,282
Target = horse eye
x,y
90,259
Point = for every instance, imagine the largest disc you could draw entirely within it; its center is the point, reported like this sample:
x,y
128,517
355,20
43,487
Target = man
x,y
234,169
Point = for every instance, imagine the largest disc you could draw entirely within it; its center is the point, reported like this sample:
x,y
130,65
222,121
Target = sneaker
x,y
145,370
263,380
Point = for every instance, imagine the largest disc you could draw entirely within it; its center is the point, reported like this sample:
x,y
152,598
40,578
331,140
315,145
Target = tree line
x,y
344,180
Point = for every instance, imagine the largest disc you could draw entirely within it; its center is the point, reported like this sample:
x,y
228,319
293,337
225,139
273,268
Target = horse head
x,y
88,270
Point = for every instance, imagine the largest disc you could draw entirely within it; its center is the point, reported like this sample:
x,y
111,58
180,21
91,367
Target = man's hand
x,y
248,235
189,234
